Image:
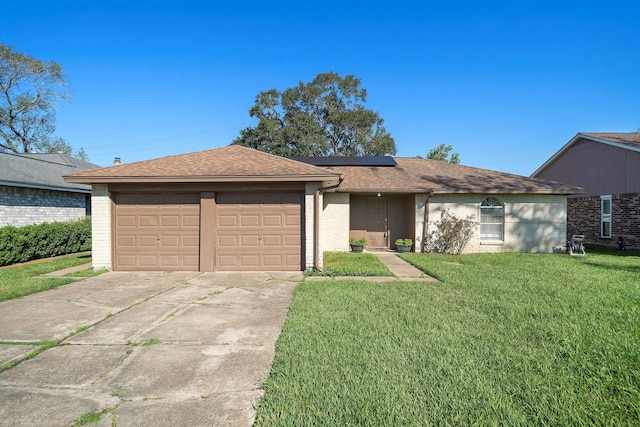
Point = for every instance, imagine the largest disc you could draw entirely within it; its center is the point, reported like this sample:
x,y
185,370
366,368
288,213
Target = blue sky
x,y
507,83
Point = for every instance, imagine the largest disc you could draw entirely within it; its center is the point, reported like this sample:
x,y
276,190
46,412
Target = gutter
x,y
316,220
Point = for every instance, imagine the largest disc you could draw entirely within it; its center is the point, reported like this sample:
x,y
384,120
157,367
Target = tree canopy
x,y
441,152
325,117
29,90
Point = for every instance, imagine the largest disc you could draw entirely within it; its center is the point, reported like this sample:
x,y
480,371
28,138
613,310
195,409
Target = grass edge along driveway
x,y
508,339
20,280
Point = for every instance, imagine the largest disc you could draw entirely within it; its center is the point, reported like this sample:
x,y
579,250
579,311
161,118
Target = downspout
x,y
425,221
316,221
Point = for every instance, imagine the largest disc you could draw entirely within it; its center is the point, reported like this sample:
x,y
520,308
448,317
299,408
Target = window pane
x,y
606,229
606,207
491,219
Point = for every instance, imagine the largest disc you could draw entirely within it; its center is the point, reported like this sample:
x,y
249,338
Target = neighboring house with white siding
x,y
607,166
32,190
234,208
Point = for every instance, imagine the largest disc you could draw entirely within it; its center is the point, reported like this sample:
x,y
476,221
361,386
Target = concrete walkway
x,y
401,268
143,348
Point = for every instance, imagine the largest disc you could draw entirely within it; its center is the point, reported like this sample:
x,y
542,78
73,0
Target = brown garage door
x,y
157,231
259,231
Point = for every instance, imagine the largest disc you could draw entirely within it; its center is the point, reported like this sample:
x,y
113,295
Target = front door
x,y
376,223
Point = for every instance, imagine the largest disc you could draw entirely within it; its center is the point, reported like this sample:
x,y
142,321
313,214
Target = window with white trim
x,y
491,219
605,216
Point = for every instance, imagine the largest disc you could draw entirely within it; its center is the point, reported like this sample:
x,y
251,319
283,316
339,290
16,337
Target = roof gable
x,y
227,164
625,141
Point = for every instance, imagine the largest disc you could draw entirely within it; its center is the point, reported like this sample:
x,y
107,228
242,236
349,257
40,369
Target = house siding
x,y
597,167
583,217
533,223
20,206
334,230
101,227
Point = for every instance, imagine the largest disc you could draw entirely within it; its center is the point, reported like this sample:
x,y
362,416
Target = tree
x,y
325,117
441,152
29,90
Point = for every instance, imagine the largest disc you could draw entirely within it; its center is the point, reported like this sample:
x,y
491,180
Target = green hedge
x,y
21,244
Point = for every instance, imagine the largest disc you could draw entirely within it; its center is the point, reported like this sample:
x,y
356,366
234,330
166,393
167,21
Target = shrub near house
x,y
21,244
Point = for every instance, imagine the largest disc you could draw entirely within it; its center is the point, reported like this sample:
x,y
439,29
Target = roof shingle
x,y
424,175
228,163
41,170
630,139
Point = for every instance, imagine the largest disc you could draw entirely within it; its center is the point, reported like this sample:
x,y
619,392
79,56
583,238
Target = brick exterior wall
x,y
101,227
334,220
532,223
309,225
583,217
21,206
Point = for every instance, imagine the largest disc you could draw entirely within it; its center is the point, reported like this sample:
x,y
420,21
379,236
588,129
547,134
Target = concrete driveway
x,y
157,348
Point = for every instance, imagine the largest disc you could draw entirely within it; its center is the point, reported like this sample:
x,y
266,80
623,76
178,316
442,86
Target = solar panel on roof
x,y
346,160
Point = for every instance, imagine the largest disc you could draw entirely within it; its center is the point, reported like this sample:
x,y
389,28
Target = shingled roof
x,y
232,163
629,139
423,175
42,170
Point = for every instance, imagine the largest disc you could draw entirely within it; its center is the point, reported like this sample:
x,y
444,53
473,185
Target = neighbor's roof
x,y
42,170
232,163
626,141
423,175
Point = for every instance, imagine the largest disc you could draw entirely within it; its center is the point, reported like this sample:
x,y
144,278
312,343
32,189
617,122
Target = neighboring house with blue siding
x,y
32,190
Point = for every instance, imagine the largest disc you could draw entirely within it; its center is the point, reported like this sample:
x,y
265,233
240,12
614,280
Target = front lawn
x,y
353,264
503,339
19,280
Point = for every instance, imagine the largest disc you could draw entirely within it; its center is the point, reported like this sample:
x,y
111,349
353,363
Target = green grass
x,y
17,281
89,272
91,417
503,339
42,346
353,264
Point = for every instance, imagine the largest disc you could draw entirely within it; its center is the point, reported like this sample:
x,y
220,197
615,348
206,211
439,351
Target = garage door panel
x,y
147,221
292,240
250,220
126,260
227,221
170,221
227,262
250,241
267,230
148,260
148,241
270,220
250,260
170,260
292,220
126,241
191,221
157,231
126,221
191,241
170,241
273,240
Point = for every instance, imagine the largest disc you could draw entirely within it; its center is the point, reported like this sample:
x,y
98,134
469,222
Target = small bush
x,y
21,244
451,234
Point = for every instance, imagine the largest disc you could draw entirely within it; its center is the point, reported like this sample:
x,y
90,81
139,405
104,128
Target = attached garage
x,y
259,231
156,231
231,208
